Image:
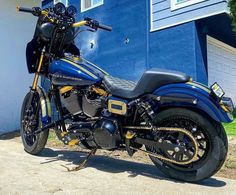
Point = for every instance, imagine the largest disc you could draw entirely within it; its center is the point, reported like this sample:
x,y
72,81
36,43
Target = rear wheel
x,y
30,121
211,139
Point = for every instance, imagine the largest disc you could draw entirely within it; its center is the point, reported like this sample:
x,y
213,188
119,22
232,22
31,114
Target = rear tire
x,y
36,143
215,154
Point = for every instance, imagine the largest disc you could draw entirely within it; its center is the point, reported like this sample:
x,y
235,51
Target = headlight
x,y
217,91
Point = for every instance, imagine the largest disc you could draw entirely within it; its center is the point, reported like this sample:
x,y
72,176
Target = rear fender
x,y
46,113
192,95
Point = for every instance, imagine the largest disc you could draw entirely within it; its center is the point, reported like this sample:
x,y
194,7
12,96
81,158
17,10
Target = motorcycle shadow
x,y
113,165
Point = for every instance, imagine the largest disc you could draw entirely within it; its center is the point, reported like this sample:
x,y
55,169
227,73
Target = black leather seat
x,y
149,82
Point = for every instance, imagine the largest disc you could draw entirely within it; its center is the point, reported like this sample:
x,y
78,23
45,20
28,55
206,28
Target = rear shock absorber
x,y
146,112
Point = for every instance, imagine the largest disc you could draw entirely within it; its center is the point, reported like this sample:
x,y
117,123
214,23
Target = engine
x,y
104,133
88,102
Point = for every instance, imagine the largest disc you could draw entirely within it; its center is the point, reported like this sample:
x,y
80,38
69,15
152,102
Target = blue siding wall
x,y
174,48
162,16
129,21
182,48
178,48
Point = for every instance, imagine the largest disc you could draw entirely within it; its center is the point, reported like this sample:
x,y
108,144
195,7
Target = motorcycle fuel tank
x,y
74,71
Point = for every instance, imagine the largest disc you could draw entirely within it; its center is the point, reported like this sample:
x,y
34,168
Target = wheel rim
x,y
199,133
27,128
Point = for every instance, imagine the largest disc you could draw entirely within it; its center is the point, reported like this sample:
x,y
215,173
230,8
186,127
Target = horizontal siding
x,y
157,1
163,17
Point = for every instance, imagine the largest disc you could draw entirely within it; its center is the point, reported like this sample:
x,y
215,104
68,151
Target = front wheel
x,y
210,136
31,121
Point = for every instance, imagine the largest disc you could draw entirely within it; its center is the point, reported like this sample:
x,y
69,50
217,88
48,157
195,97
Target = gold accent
x,y
123,111
43,106
80,67
83,163
63,134
17,8
96,66
99,91
167,129
65,89
45,13
224,107
79,24
199,86
49,108
130,135
36,77
76,58
73,142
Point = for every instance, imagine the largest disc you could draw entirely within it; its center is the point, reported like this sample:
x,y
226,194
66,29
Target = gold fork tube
x,y
36,77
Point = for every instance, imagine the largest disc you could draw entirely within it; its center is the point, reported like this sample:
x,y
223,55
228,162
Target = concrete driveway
x,y
21,173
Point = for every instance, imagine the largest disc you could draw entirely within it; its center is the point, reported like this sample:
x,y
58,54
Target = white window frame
x,y
92,6
184,3
65,2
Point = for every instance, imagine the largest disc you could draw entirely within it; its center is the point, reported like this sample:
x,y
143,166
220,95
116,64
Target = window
x,y
65,2
177,4
89,4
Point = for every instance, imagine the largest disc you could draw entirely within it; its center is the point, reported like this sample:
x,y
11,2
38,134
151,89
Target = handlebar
x,y
104,27
35,10
23,9
87,21
91,24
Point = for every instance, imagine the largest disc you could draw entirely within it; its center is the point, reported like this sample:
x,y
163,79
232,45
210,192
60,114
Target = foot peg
x,y
68,140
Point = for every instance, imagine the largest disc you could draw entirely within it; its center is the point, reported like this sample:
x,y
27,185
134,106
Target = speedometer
x,y
71,11
59,9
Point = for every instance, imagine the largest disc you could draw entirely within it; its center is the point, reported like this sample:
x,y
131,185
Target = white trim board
x,y
221,44
182,22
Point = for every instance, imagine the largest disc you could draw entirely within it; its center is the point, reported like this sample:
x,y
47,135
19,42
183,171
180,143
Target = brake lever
x,y
92,30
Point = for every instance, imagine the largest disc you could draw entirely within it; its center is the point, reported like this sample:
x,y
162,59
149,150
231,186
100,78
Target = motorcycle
x,y
175,121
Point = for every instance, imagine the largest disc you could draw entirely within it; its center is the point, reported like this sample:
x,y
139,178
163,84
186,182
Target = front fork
x,y
37,74
36,79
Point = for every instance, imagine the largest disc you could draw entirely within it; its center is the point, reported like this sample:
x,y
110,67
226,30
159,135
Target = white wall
x,y
222,66
16,29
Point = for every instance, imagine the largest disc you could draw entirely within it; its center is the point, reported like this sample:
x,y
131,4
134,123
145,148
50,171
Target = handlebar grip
x,y
104,27
24,9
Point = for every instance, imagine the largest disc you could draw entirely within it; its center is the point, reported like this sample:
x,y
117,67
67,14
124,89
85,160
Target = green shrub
x,y
234,113
232,7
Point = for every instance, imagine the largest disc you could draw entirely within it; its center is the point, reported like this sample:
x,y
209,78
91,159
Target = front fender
x,y
46,113
192,95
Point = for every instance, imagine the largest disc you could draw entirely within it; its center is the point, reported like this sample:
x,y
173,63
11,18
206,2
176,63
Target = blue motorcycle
x,y
166,115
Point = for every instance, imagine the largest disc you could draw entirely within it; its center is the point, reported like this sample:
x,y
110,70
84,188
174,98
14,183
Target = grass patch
x,y
231,128
53,140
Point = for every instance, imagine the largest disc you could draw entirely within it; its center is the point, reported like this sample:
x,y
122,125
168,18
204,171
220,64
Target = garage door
x,y
222,66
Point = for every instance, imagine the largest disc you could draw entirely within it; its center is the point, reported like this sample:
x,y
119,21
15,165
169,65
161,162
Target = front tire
x,y
33,144
214,153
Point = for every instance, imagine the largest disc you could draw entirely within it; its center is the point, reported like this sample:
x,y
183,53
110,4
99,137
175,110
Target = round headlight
x,y
59,8
71,11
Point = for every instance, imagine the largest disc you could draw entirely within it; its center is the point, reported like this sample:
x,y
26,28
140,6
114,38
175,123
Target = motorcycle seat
x,y
149,82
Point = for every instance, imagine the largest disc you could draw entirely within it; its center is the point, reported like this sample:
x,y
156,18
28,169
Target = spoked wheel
x,y
30,121
209,135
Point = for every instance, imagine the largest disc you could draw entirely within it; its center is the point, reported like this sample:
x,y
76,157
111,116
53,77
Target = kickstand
x,y
83,163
